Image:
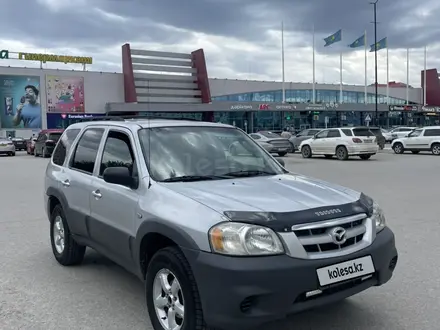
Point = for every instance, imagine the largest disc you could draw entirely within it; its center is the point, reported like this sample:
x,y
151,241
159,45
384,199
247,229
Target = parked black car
x,y
20,143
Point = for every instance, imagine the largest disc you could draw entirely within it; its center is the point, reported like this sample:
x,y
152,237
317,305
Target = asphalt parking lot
x,y
36,293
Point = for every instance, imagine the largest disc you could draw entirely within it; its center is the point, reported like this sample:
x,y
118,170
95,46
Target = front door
x,y
331,141
114,208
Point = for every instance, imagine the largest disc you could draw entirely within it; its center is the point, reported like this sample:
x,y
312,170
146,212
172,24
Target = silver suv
x,y
223,237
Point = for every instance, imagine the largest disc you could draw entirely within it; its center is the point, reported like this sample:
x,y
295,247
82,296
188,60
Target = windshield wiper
x,y
189,178
248,173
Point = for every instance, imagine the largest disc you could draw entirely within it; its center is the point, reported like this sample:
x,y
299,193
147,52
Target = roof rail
x,y
156,117
102,118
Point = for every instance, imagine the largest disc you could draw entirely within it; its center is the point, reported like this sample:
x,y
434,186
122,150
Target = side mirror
x,y
119,175
280,161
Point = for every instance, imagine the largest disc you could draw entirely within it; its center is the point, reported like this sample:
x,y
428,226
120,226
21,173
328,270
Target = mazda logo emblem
x,y
338,235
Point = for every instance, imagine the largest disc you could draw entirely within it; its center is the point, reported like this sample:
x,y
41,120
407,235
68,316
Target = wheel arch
x,y
153,236
55,197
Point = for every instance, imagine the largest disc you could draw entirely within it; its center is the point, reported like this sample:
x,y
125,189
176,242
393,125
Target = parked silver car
x,y
281,146
303,135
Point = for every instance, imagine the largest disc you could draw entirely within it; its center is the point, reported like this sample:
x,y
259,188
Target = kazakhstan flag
x,y
335,37
359,42
381,44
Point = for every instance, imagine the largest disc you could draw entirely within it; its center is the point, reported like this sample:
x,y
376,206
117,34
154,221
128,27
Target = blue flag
x,y
335,37
359,42
381,44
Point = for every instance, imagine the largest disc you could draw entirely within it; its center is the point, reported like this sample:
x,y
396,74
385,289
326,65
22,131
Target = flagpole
x,y
340,77
388,74
365,42
407,76
313,92
282,62
424,77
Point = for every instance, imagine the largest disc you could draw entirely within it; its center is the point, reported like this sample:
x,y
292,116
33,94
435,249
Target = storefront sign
x,y
403,108
241,107
5,54
315,107
263,107
430,109
63,120
79,116
285,107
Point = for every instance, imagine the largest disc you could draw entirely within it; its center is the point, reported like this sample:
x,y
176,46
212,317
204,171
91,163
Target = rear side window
x,y
86,151
54,136
63,147
432,132
362,132
347,132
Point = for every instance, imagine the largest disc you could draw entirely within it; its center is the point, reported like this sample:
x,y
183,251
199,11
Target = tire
x,y
292,148
72,253
306,152
171,261
44,153
415,151
341,153
398,148
13,154
365,157
435,149
328,156
282,154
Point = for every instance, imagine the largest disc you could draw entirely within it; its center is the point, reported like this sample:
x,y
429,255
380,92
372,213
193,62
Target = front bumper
x,y
241,293
7,149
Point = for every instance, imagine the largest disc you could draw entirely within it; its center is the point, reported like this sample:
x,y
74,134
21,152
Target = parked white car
x,y
342,143
397,133
420,139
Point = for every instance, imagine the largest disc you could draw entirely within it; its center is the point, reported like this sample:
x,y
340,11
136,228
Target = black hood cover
x,y
283,221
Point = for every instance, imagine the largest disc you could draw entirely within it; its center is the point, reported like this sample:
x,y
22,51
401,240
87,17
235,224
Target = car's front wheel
x,y
398,148
306,151
172,296
66,251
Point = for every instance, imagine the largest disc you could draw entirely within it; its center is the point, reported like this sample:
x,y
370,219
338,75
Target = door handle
x,y
97,194
65,183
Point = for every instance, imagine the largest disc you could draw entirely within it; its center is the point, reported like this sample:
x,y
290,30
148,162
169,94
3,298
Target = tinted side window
x,y
333,133
322,135
347,132
117,152
84,157
432,132
63,147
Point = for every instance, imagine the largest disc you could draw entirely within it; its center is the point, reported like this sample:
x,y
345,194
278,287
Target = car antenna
x,y
149,139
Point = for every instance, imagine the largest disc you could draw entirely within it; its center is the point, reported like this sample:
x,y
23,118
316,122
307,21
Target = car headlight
x,y
240,239
378,217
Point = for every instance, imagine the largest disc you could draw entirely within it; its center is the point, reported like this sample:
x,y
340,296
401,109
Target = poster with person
x,y
20,102
65,94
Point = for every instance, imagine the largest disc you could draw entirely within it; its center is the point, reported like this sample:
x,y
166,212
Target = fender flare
x,y
54,192
180,237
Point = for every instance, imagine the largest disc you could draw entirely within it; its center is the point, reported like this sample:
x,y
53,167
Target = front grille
x,y
318,239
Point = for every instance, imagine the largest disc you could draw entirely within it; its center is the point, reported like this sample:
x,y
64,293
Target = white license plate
x,y
368,141
345,271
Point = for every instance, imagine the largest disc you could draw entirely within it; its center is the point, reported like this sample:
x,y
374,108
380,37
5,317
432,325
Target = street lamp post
x,y
375,60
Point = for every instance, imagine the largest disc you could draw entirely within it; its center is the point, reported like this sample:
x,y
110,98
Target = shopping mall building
x,y
177,85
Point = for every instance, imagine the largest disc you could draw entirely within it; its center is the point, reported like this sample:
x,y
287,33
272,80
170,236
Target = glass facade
x,y
306,96
278,120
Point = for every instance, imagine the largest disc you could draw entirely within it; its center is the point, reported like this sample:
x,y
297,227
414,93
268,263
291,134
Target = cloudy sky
x,y
241,38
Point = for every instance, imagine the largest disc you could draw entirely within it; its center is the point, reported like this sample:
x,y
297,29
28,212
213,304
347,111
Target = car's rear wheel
x,y
341,153
173,299
398,148
365,157
282,154
435,149
306,152
66,251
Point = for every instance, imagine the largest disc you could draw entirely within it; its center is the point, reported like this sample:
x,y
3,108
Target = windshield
x,y
203,151
54,136
270,135
362,132
416,132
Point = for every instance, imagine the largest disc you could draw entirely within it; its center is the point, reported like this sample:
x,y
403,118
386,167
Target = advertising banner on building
x,y
63,120
20,102
65,94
